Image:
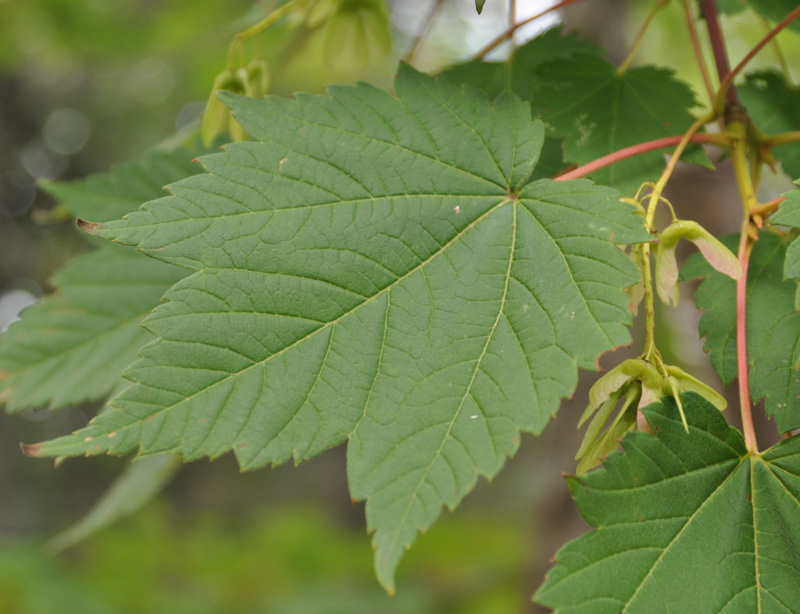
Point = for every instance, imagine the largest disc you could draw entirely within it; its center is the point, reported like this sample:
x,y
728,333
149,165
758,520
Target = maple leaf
x,y
374,268
684,522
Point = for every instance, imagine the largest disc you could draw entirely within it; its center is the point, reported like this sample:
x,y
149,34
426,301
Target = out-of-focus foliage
x,y
293,559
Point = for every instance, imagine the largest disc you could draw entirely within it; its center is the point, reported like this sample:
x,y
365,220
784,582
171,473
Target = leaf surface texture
x,y
684,523
370,267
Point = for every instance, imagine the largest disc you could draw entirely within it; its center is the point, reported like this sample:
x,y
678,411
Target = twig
x,y
727,82
718,46
510,31
778,53
417,44
698,52
660,4
641,148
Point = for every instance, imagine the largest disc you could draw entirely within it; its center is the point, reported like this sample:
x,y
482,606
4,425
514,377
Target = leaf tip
x,y
88,227
33,450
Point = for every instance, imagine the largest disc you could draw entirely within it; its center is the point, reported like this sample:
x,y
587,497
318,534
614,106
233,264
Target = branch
x,y
510,31
415,46
636,150
718,45
698,52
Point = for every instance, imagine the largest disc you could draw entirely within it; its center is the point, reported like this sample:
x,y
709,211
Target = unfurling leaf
x,y
596,445
217,117
370,268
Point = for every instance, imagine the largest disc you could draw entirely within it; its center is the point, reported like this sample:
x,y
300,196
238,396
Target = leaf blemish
x,y
281,163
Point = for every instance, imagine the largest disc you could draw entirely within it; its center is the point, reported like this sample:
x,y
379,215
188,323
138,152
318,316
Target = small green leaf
x,y
370,268
788,214
109,196
479,5
774,106
684,523
774,10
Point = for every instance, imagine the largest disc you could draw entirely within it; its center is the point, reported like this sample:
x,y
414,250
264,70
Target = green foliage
x,y
294,559
775,107
769,9
773,327
73,346
584,100
400,272
434,188
688,523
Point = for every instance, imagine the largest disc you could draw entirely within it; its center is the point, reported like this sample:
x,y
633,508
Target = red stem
x,y
745,248
635,150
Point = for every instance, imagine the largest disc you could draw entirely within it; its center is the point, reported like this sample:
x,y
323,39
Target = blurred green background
x,y
88,83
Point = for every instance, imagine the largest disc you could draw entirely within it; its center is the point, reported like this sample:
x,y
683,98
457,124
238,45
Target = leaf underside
x,y
369,268
773,326
684,523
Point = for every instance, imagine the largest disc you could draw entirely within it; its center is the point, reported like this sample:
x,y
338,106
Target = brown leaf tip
x,y
87,227
33,450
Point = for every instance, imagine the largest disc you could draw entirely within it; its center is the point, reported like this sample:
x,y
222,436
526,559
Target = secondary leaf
x,y
370,267
109,196
774,10
684,523
73,346
773,326
520,73
774,105
134,487
599,110
591,105
788,214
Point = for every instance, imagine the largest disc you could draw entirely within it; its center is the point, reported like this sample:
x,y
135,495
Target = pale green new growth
x,y
369,268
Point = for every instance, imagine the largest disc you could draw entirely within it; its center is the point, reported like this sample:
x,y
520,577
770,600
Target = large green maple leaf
x,y
773,326
370,267
73,345
684,523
